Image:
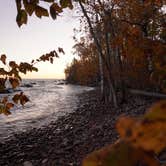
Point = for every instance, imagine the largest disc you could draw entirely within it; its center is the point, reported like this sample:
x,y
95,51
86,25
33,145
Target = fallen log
x,y
145,93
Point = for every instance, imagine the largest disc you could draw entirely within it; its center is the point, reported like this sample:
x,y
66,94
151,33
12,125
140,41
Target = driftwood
x,y
145,93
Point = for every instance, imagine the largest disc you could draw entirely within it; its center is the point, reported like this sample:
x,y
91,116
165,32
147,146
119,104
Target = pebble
x,y
67,140
27,163
44,161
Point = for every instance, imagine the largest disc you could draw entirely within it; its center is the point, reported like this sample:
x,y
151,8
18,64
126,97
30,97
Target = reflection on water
x,y
47,101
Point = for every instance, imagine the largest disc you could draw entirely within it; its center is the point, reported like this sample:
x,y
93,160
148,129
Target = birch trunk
x,y
101,76
99,48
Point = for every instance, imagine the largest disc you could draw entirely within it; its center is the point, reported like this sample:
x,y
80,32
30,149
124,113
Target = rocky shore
x,y
68,140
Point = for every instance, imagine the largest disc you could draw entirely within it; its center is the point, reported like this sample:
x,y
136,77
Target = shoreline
x,y
69,139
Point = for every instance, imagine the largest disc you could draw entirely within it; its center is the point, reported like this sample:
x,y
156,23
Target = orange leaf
x,y
23,99
9,105
157,111
4,100
149,132
16,98
119,154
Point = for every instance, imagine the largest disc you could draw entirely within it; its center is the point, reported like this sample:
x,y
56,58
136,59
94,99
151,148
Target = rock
x,y
44,161
67,140
67,127
33,83
27,163
27,85
29,146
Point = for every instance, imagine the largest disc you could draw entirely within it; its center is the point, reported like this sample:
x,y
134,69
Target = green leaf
x,y
21,17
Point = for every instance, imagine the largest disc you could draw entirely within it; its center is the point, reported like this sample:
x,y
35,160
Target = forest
x,y
122,54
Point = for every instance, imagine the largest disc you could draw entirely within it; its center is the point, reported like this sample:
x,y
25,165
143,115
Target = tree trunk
x,y
145,93
121,78
99,48
101,68
101,76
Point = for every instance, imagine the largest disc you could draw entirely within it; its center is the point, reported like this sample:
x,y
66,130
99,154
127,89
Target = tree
x,y
13,75
136,42
85,70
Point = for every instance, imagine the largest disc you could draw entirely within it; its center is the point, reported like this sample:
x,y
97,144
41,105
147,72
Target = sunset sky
x,y
38,37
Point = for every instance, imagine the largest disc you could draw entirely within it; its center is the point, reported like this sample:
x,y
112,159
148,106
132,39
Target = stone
x,y
44,161
27,163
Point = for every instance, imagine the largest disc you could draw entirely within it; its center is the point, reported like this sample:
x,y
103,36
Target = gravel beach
x,y
69,139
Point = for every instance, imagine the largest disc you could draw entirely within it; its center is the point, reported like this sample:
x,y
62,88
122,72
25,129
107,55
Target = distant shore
x,y
68,140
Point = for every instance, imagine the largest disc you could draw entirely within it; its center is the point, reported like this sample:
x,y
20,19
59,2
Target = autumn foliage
x,y
133,56
135,46
141,141
26,8
84,71
11,72
128,39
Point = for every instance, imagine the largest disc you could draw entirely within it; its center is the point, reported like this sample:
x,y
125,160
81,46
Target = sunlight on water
x,y
48,100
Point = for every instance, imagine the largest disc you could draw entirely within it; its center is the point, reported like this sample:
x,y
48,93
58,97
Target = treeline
x,y
84,71
123,48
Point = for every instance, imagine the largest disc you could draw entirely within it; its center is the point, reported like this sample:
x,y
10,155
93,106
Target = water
x,y
48,101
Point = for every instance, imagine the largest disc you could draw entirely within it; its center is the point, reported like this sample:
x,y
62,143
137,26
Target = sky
x,y
38,37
